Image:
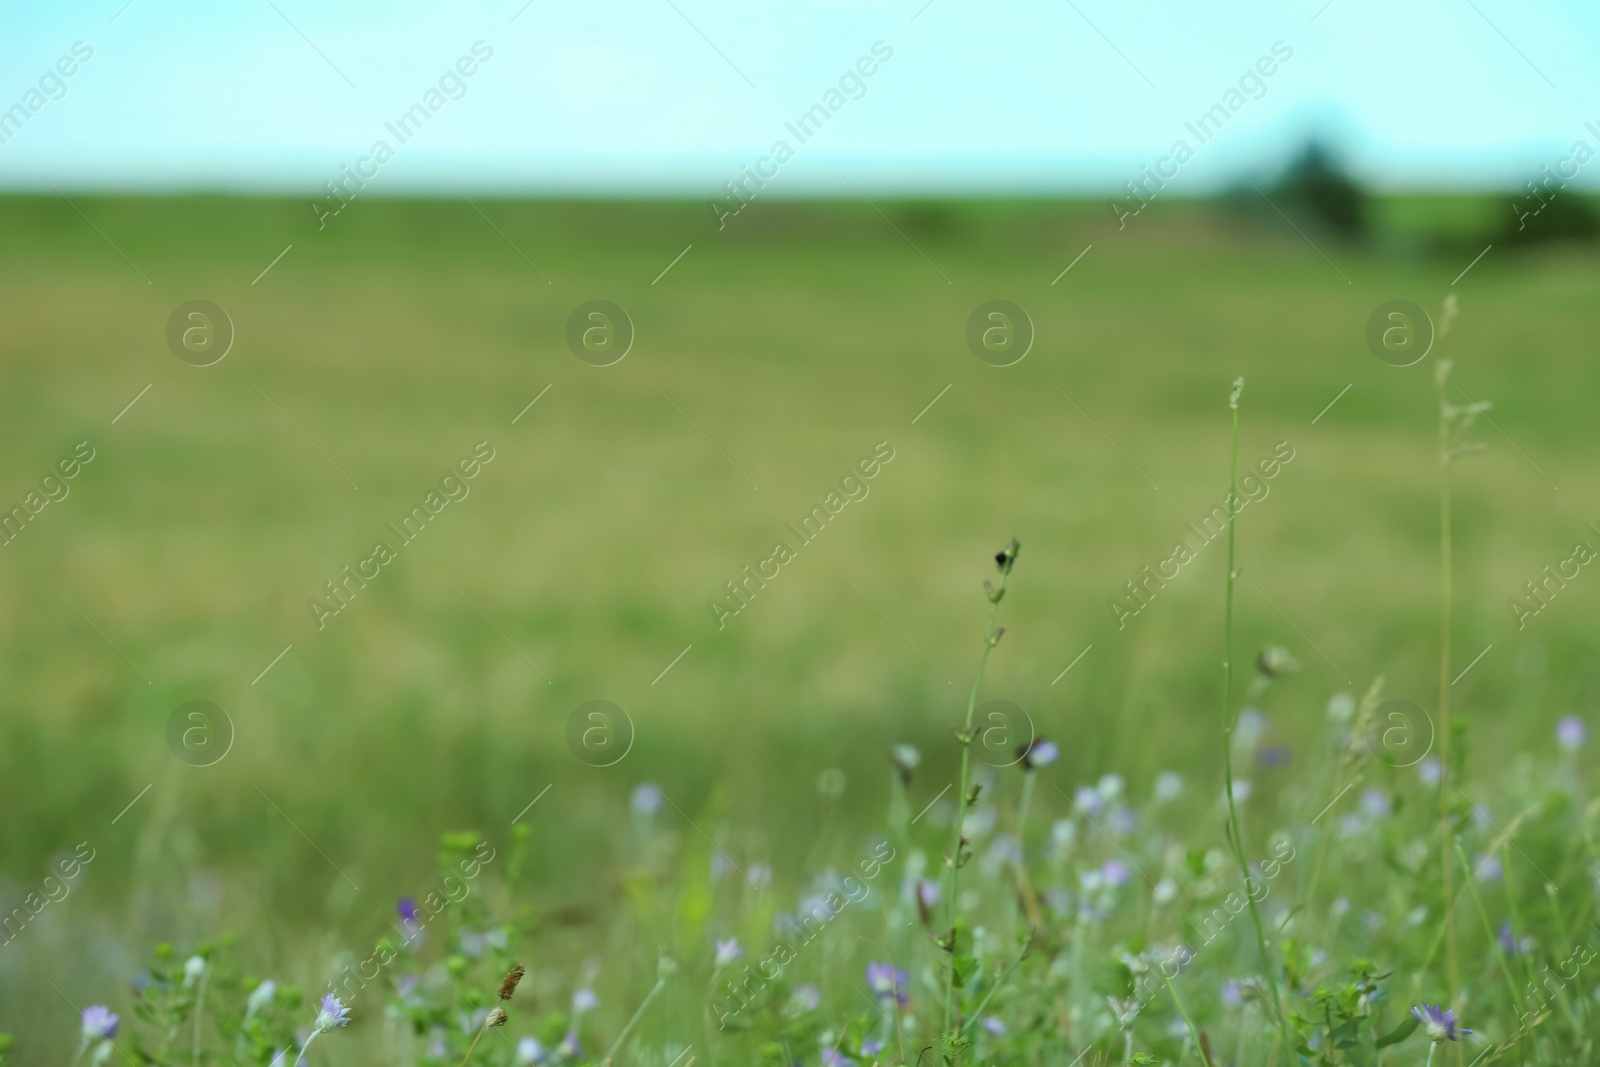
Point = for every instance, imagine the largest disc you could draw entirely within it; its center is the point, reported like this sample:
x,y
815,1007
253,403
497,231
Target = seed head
x,y
509,986
497,1017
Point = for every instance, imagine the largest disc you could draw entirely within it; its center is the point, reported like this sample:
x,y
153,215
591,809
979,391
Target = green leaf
x,y
963,967
1399,1033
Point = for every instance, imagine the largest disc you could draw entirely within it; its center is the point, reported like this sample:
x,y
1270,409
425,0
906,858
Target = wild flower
x,y
331,1015
1428,771
1168,785
887,981
530,1051
1571,733
1275,756
805,998
1376,803
1511,944
994,1025
260,997
646,799
906,759
584,1000
1440,1023
1122,821
100,1023
194,968
728,951
1037,753
1088,800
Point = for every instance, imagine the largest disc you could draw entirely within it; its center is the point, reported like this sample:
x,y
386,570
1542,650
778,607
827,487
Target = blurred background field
x,y
581,564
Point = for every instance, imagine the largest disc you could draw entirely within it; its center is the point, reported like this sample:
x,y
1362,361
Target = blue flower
x,y
1571,733
1038,753
885,981
728,951
333,1014
407,909
994,1025
99,1023
1440,1023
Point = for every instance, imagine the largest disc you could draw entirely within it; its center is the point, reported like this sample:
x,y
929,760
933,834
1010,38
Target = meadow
x,y
442,710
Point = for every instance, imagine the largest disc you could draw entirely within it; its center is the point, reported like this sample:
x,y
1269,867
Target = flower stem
x,y
1194,1034
612,1051
1228,719
965,738
1446,836
481,1031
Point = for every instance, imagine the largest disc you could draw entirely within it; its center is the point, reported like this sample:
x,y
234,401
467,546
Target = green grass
x,y
795,340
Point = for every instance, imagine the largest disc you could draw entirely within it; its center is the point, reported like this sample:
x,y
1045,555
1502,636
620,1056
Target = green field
x,y
768,360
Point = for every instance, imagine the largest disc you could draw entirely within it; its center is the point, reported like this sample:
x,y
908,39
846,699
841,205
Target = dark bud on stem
x,y
1006,558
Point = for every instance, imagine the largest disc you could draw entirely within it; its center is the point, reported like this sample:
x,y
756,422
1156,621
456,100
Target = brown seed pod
x,y
509,986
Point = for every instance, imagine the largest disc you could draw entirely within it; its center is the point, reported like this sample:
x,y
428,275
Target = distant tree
x,y
1317,185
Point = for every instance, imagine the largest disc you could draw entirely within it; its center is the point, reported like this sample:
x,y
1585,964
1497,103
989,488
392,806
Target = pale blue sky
x,y
672,96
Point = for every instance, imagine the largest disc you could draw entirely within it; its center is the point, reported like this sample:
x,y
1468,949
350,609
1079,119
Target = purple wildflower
x,y
806,998
1571,733
1376,803
1440,1023
871,1047
832,1058
1275,756
728,951
1038,753
994,1025
646,798
885,981
333,1014
407,909
1115,874
99,1023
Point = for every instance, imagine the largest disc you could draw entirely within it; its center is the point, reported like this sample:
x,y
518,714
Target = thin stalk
x,y
1227,717
999,982
660,982
484,1029
1446,838
199,1012
317,1033
1488,927
1194,1034
990,639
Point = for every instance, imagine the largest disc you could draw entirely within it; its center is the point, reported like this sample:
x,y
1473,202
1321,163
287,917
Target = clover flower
x,y
1440,1023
